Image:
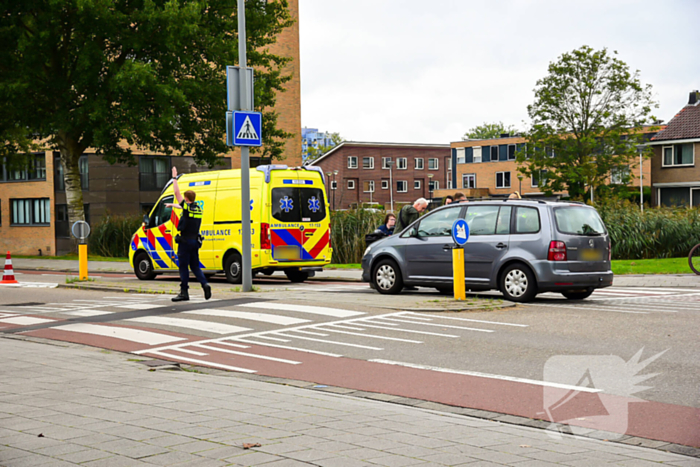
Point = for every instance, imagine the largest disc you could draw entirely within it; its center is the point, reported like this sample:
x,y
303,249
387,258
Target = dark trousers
x,y
188,256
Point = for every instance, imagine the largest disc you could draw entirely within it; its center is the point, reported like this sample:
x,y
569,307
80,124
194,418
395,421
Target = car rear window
x,y
578,220
298,204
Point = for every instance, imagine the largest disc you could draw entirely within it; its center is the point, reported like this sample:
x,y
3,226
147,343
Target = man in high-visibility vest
x,y
188,241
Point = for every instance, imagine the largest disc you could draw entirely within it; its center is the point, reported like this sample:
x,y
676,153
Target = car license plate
x,y
591,255
287,252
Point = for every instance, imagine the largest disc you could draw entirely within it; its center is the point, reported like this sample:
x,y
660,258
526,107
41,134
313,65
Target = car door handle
x,y
446,247
501,245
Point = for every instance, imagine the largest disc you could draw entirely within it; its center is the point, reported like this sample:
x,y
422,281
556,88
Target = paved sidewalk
x,y
346,275
63,404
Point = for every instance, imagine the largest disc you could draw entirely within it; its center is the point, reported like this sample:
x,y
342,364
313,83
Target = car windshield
x,y
578,220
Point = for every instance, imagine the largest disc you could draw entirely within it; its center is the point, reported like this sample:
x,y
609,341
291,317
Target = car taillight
x,y
609,250
265,243
557,251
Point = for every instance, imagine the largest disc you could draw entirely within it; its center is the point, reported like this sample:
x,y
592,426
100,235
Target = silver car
x,y
519,247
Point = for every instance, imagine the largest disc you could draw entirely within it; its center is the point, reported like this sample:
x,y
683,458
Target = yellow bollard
x,y
458,273
83,261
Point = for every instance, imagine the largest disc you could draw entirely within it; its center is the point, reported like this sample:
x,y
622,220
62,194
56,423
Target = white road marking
x,y
36,285
328,342
312,333
265,344
201,362
207,326
88,313
316,310
127,334
408,330
26,320
588,307
475,320
140,306
352,328
273,338
238,346
192,352
337,331
438,325
245,354
486,375
245,315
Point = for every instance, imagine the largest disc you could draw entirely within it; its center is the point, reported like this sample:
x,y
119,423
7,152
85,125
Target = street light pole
x,y
520,184
335,172
330,185
641,177
391,185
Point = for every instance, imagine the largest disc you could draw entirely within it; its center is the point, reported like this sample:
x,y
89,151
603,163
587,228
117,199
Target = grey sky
x,y
425,72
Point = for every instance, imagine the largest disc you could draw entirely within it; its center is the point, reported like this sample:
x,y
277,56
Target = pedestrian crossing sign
x,y
246,129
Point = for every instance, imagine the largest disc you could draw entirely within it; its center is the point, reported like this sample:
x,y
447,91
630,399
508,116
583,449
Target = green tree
x,y
315,153
587,120
489,131
114,75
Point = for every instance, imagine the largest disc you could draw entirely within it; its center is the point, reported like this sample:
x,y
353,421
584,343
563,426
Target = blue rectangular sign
x,y
247,129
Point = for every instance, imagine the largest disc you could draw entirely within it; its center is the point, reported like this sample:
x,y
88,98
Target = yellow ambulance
x,y
290,224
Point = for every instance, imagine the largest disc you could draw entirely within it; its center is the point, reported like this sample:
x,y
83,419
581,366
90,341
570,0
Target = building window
x,y
461,158
154,173
33,169
386,162
502,179
368,186
368,162
539,178
35,211
62,221
494,153
433,163
416,184
352,162
402,163
477,154
401,186
468,180
419,163
59,180
385,184
620,175
334,185
511,152
678,155
351,184
432,186
449,164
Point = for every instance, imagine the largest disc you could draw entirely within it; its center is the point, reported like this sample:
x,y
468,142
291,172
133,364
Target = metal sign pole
x,y
247,280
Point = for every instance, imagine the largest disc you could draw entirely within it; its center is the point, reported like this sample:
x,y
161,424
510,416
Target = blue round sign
x,y
460,232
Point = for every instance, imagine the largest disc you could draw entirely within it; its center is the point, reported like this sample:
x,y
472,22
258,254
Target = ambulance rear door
x,y
299,228
227,225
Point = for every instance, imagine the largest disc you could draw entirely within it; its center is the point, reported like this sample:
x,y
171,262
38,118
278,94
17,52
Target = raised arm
x,y
176,188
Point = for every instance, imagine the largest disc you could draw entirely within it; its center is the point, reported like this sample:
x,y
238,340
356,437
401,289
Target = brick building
x,y
33,210
359,173
487,168
675,174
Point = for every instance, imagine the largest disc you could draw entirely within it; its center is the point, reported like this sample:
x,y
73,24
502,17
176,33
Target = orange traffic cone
x,y
8,277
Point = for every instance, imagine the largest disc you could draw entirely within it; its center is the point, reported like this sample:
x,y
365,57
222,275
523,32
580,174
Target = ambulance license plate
x,y
591,255
287,252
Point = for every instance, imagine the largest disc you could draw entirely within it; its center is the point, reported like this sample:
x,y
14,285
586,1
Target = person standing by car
x,y
408,214
388,227
188,241
460,197
448,200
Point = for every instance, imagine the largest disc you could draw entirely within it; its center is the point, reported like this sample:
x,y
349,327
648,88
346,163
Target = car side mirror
x,y
413,232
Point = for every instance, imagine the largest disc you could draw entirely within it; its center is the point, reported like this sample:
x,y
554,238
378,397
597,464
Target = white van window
x,y
298,204
160,214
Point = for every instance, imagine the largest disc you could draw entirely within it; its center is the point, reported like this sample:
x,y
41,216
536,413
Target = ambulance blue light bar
x,y
317,169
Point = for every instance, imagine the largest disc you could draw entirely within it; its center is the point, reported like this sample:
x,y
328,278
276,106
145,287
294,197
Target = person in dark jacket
x,y
388,227
408,214
188,244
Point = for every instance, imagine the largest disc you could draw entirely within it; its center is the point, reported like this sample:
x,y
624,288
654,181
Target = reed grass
x,y
111,237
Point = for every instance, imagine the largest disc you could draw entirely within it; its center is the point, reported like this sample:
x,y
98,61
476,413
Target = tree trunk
x,y
70,157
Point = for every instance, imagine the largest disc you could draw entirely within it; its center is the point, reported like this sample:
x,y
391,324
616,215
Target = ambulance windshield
x,y
298,204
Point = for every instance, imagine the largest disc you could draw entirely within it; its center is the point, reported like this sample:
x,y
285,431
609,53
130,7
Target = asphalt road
x,y
511,360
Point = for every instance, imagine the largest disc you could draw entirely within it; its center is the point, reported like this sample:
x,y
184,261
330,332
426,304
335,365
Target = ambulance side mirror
x,y
146,220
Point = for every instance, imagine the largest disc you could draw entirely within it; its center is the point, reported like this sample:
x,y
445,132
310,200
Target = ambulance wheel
x,y
234,268
143,267
296,275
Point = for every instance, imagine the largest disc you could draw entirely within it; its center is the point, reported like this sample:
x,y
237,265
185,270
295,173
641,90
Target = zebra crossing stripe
x,y
25,320
127,334
207,326
245,315
316,310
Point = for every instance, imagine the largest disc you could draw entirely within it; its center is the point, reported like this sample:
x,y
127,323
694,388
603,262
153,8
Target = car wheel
x,y
234,268
387,277
143,267
577,294
518,283
295,275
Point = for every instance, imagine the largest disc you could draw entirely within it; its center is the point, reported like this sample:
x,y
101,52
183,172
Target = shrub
x,y
661,232
111,237
348,230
